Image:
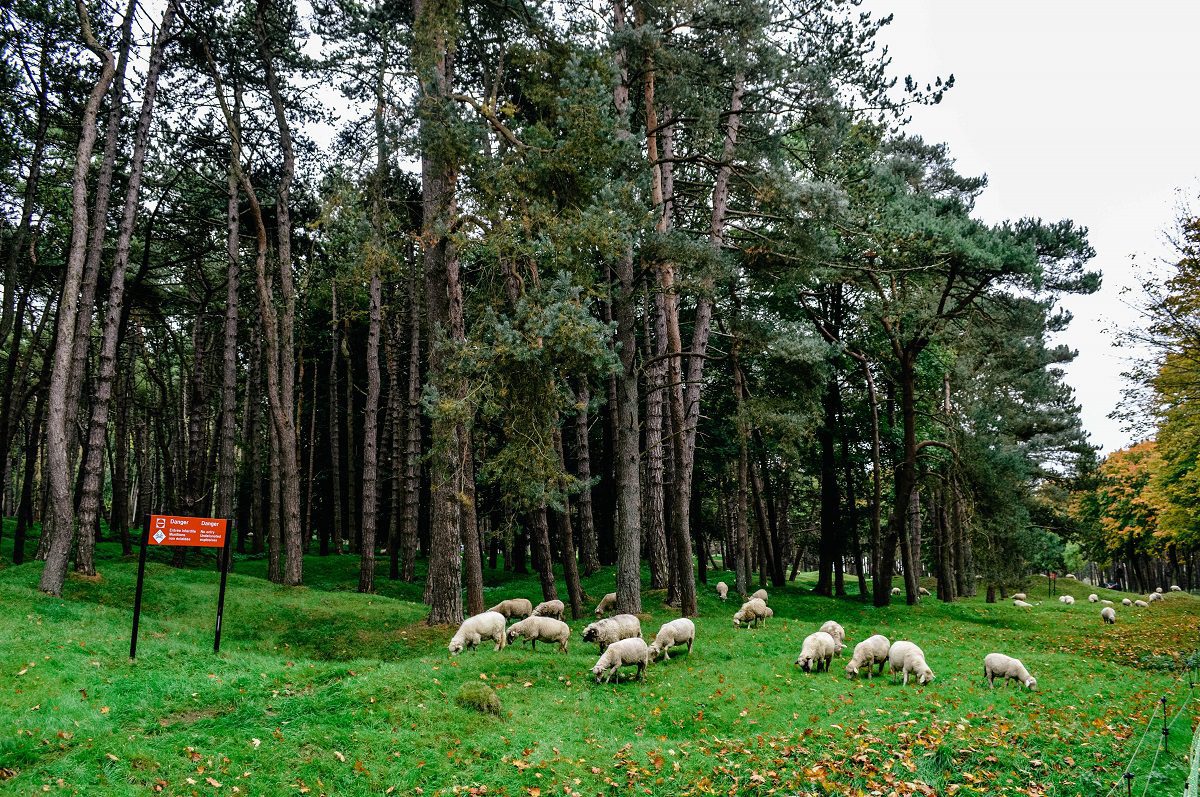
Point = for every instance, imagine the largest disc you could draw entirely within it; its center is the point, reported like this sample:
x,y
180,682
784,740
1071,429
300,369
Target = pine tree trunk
x,y
589,558
567,540
119,518
409,530
472,553
395,411
227,479
335,424
539,529
59,415
274,521
654,508
366,577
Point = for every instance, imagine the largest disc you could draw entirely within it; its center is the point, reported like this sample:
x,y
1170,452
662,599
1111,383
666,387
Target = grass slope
x,y
319,690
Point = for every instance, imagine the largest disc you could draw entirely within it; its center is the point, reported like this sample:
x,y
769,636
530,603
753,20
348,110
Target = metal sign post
x,y
191,532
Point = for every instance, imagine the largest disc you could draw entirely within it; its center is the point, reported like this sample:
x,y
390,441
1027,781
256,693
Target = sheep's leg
x,y
667,653
641,671
533,644
906,678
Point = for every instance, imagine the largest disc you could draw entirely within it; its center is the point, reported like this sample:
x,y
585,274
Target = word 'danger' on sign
x,y
196,532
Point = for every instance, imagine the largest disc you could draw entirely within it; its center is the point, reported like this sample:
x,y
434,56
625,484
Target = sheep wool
x,y
1176,588
1020,604
1093,598
1141,604
513,607
760,595
622,653
1126,602
895,590
1108,614
672,634
612,629
905,657
722,590
922,591
1006,668
816,652
871,651
540,629
475,629
1067,599
553,609
1154,596
751,612
1020,596
1106,602
606,604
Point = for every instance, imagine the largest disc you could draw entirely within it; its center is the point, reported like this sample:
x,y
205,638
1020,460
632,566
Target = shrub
x,y
478,697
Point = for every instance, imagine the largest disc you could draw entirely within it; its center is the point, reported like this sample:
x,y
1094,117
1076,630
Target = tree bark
x,y
542,561
366,577
654,507
227,479
412,453
335,424
567,541
589,558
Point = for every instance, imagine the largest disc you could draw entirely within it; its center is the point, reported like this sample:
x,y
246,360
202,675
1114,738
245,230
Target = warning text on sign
x,y
195,532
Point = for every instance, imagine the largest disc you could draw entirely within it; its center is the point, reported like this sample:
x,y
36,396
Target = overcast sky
x,y
1081,110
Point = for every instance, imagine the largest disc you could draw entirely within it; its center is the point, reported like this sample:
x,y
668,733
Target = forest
x,y
454,286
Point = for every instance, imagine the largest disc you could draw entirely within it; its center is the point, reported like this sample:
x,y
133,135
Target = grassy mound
x,y
320,690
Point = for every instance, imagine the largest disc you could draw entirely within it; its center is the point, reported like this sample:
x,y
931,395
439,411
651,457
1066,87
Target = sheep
x,y
1071,576
513,607
816,652
1067,599
612,629
1176,588
839,636
622,653
1093,598
553,609
606,604
760,595
676,632
1154,596
1108,615
722,590
907,658
1126,602
868,653
489,625
895,590
922,592
1141,604
997,665
751,612
1020,596
1022,604
1158,590
540,629
1106,602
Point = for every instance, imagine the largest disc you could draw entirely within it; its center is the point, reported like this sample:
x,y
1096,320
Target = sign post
x,y
191,532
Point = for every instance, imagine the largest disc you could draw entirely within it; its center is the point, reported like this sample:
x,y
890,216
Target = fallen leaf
x,y
255,743
212,782
112,757
339,756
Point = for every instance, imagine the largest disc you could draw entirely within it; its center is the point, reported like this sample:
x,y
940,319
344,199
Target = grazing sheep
x,y
1071,576
816,652
768,612
922,591
540,629
722,590
905,657
895,590
1020,596
612,629
622,653
672,634
1141,604
760,594
606,604
553,609
1108,615
1158,590
1067,599
1106,602
1022,604
1154,596
489,625
751,612
1126,602
868,653
1093,598
1176,588
513,607
1006,668
839,636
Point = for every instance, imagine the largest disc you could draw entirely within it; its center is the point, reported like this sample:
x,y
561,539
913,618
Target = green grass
x,y
320,690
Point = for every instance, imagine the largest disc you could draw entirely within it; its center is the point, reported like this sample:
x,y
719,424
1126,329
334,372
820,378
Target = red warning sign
x,y
195,532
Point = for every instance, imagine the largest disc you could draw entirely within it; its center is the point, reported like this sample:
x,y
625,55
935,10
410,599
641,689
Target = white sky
x,y
1081,110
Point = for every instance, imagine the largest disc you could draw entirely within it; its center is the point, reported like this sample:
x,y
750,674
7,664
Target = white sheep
x,y
922,592
751,613
612,629
553,609
1020,596
540,629
997,665
513,607
816,652
606,604
1093,598
1176,588
722,590
895,590
1141,604
672,634
760,595
489,625
1108,614
1022,604
1067,599
1126,602
1071,576
839,636
868,653
622,653
1154,596
1106,602
905,657
1158,590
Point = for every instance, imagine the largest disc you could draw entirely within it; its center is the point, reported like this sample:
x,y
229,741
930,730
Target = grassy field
x,y
320,690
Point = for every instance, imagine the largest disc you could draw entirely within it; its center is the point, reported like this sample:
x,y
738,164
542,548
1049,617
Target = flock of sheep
x,y
1107,614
